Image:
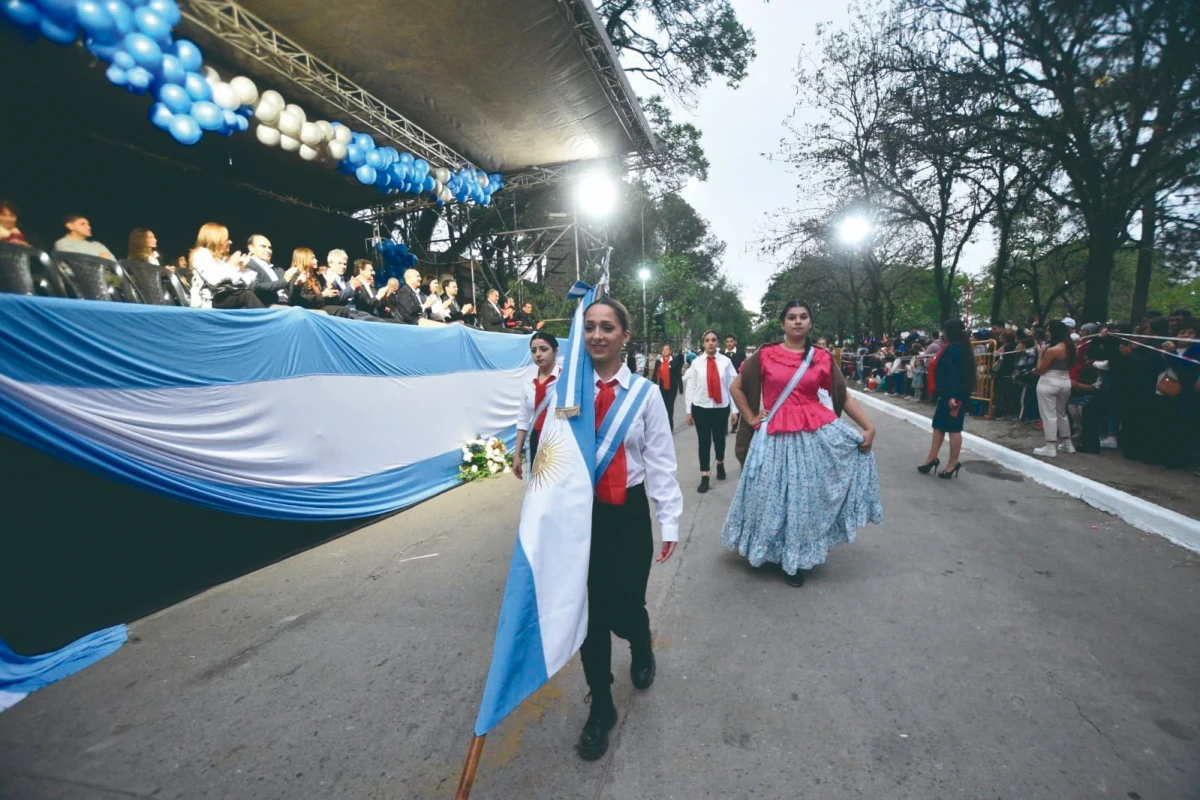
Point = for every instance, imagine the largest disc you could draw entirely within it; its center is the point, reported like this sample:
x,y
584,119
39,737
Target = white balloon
x,y
483,181
307,153
437,187
310,134
273,97
245,89
266,113
343,134
327,132
337,150
268,136
225,96
288,143
441,174
289,123
297,110
211,75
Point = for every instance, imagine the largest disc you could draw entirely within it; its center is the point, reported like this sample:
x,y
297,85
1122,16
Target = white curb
x,y
1141,514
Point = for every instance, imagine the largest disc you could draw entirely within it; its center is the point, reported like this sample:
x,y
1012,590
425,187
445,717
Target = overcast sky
x,y
744,189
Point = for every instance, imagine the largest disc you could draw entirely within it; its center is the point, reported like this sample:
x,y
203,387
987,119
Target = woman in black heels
x,y
953,374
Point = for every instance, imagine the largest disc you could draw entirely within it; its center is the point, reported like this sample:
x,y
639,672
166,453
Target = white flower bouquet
x,y
483,458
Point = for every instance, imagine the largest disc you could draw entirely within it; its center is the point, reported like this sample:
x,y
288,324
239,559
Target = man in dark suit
x,y
458,313
269,284
668,374
407,302
490,315
733,352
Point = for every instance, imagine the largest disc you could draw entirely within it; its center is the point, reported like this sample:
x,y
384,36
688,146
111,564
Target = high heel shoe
x,y
925,469
951,473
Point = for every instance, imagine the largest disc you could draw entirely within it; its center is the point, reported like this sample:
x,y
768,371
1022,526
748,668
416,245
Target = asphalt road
x,y
991,640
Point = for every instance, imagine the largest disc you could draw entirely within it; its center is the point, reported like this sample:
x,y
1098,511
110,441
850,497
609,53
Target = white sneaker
x,y
1109,443
1066,446
1049,451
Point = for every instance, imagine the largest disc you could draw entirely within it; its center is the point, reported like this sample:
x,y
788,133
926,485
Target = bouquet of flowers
x,y
483,458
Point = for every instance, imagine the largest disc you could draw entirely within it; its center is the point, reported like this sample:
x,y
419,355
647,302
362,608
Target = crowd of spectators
x,y
216,275
1132,388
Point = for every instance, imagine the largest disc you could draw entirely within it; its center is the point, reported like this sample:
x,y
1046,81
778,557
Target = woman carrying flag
x,y
622,543
809,481
706,393
535,400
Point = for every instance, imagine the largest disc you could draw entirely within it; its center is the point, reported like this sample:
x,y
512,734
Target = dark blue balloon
x,y
197,87
185,130
161,116
61,10
58,32
188,54
145,51
121,14
172,69
345,167
21,12
383,188
428,184
175,97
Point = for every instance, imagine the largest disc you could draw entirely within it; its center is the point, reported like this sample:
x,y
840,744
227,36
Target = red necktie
x,y
611,486
539,394
714,381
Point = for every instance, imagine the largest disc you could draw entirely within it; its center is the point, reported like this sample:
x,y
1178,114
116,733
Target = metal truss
x,y
254,38
589,32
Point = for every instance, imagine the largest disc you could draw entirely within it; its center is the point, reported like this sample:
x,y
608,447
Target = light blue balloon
x,y
123,60
145,51
105,51
121,14
138,80
366,174
175,97
428,183
188,54
185,130
152,25
116,75
208,115
407,159
364,141
161,116
355,155
21,12
231,119
420,168
167,10
197,87
172,69
63,33
94,18
403,171
243,124
374,159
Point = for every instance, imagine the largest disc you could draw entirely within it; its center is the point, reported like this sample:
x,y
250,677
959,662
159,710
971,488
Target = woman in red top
x,y
809,481
543,347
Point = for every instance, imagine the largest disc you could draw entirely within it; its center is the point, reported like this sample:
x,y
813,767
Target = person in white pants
x,y
1054,390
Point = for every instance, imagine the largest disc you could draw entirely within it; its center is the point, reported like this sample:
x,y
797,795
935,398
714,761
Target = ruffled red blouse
x,y
802,411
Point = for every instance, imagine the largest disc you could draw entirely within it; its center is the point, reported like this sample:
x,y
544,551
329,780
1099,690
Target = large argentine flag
x,y
543,616
278,413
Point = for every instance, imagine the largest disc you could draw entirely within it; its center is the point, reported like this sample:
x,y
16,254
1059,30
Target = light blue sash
x,y
612,431
757,448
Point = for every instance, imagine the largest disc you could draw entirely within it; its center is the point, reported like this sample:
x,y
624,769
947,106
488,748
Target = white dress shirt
x,y
210,271
695,381
528,396
650,458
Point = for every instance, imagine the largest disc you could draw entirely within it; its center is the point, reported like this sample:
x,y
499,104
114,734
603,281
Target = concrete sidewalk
x,y
991,639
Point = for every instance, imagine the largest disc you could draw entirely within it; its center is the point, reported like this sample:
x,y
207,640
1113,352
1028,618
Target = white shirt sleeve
x,y
212,271
658,455
525,409
689,389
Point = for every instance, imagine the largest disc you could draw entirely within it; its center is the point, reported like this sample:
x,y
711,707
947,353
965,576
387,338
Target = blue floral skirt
x,y
811,490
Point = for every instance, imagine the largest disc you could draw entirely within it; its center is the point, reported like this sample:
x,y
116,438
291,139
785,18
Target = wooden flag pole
x,y
469,767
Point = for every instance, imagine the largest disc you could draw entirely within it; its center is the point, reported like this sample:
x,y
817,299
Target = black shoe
x,y
925,469
951,473
642,669
593,740
720,472
797,579
703,487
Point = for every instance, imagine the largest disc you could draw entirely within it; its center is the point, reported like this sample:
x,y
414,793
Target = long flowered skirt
x,y
811,490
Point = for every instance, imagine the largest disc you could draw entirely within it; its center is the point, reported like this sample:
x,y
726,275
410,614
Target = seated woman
x,y
142,244
306,286
220,280
9,232
431,299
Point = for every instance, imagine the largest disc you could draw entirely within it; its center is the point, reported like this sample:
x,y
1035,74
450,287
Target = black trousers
x,y
533,438
711,424
668,397
622,549
240,297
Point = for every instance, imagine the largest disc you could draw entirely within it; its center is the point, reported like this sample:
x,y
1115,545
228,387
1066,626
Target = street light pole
x,y
644,274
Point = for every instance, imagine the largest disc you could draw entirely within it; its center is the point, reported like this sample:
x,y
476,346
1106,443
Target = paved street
x,y
991,640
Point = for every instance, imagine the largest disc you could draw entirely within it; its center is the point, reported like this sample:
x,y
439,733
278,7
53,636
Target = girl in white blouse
x,y
220,280
622,548
536,398
706,394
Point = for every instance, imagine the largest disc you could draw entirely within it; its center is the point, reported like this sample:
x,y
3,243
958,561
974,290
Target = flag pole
x,y
469,767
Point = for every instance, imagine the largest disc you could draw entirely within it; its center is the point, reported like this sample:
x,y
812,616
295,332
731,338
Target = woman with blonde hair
x,y
142,246
306,291
219,280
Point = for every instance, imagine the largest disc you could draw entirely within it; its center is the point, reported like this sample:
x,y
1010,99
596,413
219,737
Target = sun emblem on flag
x,y
551,462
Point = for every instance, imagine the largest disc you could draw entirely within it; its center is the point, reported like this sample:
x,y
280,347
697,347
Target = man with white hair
x,y
335,278
408,304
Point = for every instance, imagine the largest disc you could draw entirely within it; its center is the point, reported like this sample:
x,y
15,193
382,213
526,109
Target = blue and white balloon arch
x,y
135,38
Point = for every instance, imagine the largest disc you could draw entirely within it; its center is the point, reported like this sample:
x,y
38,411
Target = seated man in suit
x,y
270,284
491,315
457,312
335,277
407,302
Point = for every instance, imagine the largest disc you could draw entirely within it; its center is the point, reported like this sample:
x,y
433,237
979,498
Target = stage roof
x,y
508,84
